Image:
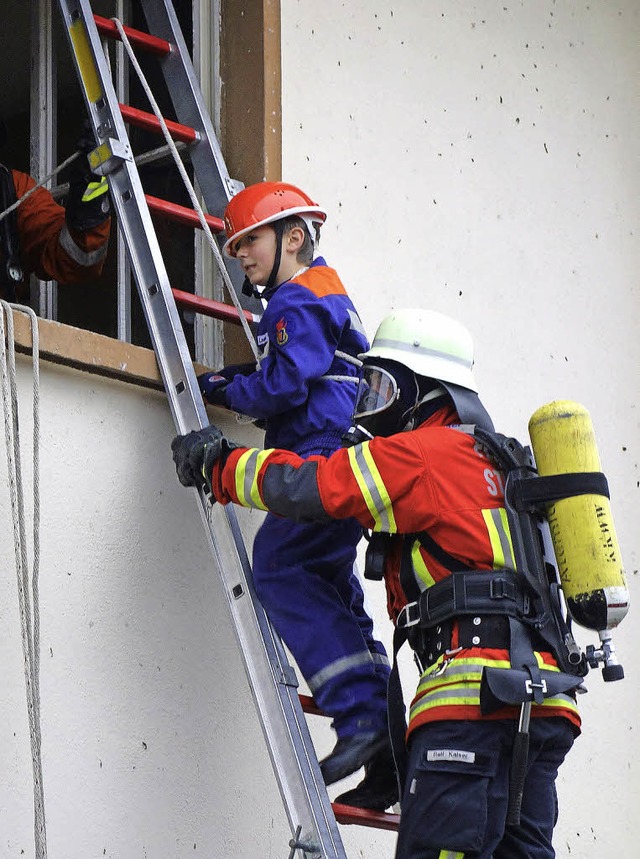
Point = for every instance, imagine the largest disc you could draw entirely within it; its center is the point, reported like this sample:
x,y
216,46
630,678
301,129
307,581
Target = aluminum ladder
x,y
312,818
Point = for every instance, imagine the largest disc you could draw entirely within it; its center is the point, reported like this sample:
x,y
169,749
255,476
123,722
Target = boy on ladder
x,y
303,391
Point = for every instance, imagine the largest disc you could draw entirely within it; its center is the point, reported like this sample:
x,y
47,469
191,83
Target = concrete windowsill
x,y
93,353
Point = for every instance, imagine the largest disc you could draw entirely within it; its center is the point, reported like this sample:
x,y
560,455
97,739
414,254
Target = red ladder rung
x,y
347,814
182,214
150,122
310,706
137,38
209,307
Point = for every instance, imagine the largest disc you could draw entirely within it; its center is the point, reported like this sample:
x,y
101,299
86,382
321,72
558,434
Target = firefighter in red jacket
x,y
67,244
417,473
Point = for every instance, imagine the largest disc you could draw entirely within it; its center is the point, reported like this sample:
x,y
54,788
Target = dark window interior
x,y
93,305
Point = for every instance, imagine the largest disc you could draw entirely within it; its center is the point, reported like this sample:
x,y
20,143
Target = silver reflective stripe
x,y
251,467
356,323
423,350
335,669
503,535
446,695
377,500
83,258
380,659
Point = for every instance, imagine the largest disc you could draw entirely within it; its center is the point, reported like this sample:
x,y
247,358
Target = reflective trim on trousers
x,y
335,669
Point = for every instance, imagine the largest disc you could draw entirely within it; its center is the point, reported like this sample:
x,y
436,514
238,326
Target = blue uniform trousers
x,y
304,578
454,804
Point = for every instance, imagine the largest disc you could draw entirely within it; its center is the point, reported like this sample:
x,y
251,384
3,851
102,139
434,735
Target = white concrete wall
x,y
481,159
151,746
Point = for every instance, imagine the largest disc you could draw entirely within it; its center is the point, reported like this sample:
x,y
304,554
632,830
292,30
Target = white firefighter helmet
x,y
416,357
429,343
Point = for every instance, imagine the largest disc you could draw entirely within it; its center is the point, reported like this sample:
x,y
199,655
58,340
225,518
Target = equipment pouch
x,y
501,686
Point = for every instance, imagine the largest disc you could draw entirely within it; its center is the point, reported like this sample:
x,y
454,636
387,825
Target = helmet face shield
x,y
377,391
381,403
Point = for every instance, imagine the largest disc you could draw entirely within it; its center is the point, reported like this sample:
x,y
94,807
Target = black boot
x,y
351,753
379,788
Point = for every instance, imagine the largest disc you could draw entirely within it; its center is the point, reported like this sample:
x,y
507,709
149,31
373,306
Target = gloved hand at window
x,y
213,388
196,453
232,370
88,203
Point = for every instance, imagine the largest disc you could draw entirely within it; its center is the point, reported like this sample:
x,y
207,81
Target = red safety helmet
x,y
264,203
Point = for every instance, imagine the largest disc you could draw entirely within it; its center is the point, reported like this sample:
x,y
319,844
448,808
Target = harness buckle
x,y
529,686
409,615
500,589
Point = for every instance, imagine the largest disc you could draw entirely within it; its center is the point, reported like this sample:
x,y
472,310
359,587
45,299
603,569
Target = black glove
x,y
213,387
237,370
88,203
196,453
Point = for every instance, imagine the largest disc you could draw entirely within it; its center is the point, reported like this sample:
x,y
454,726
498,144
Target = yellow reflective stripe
x,y
372,488
457,683
420,569
86,65
500,536
95,189
246,477
450,854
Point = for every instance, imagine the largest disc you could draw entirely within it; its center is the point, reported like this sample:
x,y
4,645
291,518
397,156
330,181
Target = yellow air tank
x,y
582,529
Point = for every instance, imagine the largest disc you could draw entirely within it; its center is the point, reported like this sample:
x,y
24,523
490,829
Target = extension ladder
x,y
312,818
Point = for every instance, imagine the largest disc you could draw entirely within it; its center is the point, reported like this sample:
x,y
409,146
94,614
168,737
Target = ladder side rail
x,y
184,89
296,768
216,186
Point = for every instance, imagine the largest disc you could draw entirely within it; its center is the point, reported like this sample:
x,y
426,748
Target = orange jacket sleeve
x,y
47,247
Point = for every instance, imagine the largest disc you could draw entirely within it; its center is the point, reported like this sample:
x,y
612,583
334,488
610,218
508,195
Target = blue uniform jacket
x,y
305,321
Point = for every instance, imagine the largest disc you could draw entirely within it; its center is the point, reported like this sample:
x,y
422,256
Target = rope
x,y
190,189
29,605
41,184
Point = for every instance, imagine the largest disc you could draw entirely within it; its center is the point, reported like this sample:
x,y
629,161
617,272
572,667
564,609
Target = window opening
x,y
44,121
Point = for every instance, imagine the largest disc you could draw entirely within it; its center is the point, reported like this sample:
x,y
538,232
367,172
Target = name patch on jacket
x,y
281,332
451,755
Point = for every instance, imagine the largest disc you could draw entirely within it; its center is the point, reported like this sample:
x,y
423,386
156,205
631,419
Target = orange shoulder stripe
x,y
321,280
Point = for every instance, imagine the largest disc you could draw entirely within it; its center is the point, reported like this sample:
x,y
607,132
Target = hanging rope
x,y
28,596
190,189
41,184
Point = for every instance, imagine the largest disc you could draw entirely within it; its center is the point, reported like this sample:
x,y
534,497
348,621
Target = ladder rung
x,y
182,214
209,307
137,38
310,706
365,817
150,122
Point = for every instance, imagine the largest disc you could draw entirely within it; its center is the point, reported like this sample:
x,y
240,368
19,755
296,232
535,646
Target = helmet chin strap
x,y
412,413
267,290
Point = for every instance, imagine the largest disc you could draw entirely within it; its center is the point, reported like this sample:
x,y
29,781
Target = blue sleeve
x,y
303,333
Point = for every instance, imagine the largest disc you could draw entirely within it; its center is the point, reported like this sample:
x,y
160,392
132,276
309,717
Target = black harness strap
x,y
11,270
524,599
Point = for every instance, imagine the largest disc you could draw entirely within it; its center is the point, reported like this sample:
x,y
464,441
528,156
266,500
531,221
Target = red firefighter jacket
x,y
434,479
47,247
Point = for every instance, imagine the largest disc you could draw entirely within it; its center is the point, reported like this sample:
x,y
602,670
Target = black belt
x,y
489,631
